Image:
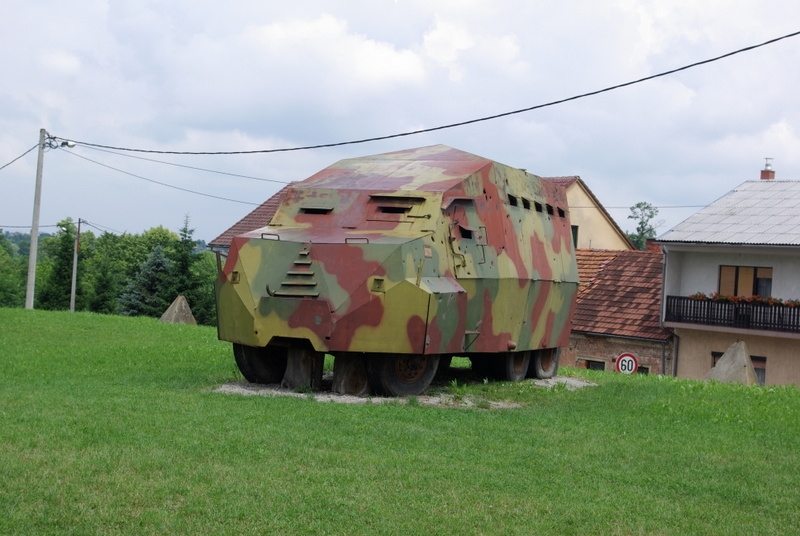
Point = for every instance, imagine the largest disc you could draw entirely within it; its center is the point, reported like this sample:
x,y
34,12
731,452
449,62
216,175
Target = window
x,y
512,200
394,210
595,365
759,365
745,281
401,209
764,281
643,370
315,210
575,236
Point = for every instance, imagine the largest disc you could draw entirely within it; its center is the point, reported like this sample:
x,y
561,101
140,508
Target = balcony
x,y
762,317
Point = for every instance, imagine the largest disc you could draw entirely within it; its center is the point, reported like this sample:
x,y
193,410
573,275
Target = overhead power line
x,y
186,166
20,156
660,207
23,226
159,182
451,125
101,228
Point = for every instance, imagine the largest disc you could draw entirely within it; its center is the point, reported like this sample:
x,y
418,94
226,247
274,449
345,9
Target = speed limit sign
x,y
627,364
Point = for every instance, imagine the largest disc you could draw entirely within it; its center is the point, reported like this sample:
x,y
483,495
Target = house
x,y
592,226
618,304
259,217
617,312
732,271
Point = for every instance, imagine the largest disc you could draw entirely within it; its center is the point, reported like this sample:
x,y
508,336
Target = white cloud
x,y
325,46
204,75
444,45
60,62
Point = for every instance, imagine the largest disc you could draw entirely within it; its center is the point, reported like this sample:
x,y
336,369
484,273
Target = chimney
x,y
768,174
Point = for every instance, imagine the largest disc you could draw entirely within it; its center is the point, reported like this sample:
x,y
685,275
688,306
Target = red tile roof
x,y
258,218
623,299
590,261
566,182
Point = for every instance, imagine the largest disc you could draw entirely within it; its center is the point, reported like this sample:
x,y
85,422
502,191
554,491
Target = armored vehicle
x,y
395,263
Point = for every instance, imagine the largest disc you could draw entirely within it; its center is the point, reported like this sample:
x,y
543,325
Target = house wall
x,y
595,231
695,347
583,348
690,272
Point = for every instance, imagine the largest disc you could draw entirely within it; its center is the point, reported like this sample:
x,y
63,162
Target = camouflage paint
x,y
430,250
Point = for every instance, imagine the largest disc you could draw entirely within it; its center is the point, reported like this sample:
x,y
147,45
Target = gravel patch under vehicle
x,y
438,400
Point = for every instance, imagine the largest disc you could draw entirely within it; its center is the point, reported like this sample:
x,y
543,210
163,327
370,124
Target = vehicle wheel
x,y
401,374
512,366
350,375
444,365
260,365
544,363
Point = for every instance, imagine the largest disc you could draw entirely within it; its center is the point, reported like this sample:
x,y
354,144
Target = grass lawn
x,y
109,425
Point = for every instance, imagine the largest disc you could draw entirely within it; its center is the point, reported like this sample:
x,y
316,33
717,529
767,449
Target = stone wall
x,y
585,348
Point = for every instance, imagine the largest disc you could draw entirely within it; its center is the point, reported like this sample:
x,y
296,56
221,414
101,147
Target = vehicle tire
x,y
401,374
512,366
261,365
444,365
544,363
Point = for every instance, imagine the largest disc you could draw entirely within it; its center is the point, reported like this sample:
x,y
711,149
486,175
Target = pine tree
x,y
106,271
183,260
191,277
147,294
106,289
59,252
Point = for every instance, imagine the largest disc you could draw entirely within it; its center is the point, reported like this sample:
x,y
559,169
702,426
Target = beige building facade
x,y
776,359
591,223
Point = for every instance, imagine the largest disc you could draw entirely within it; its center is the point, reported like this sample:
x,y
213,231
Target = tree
x,y
59,252
21,243
192,278
643,213
203,304
107,271
129,251
12,282
5,244
147,293
183,259
113,262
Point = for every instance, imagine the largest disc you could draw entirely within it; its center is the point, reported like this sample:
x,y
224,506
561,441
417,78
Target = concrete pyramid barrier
x,y
734,366
178,313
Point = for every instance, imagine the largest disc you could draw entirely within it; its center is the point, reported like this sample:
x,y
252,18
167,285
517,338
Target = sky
x,y
210,76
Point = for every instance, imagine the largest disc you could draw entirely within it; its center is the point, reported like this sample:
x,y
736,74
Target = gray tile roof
x,y
764,212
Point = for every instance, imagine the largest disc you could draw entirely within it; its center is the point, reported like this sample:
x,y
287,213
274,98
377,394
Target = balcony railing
x,y
733,315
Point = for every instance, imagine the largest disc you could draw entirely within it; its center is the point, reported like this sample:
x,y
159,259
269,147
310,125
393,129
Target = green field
x,y
109,425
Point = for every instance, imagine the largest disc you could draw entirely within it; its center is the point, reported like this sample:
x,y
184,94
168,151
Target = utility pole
x,y
75,268
37,199
45,140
